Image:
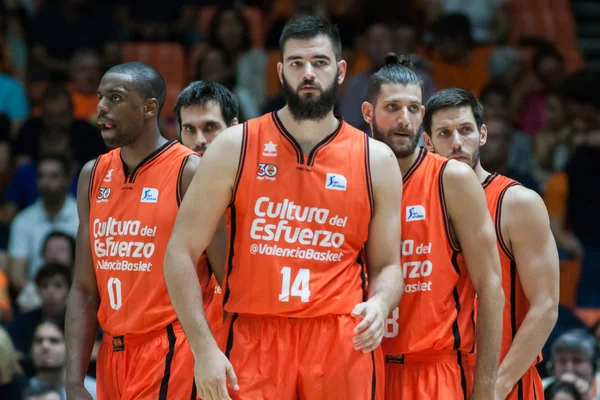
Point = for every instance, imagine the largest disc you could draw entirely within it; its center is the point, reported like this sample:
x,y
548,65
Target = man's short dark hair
x,y
55,92
62,235
309,27
51,270
200,93
147,81
495,88
453,25
63,160
452,98
396,70
40,389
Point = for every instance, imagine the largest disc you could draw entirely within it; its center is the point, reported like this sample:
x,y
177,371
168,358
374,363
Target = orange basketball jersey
x,y
131,218
436,310
516,304
298,223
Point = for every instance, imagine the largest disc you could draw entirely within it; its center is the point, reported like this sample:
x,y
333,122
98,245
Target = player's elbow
x,y
546,309
491,289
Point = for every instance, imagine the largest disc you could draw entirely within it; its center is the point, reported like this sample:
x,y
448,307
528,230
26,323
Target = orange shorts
x,y
431,375
156,365
305,358
529,387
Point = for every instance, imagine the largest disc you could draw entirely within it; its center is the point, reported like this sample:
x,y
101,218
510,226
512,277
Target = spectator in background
x,y
54,210
13,103
561,390
213,66
377,42
548,67
456,60
53,282
12,382
5,156
48,354
495,153
495,99
85,72
574,355
57,131
13,56
506,65
299,8
59,248
229,32
42,392
61,28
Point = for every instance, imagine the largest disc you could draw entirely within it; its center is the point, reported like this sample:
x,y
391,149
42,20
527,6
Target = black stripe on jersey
x,y
164,384
446,218
513,298
501,241
489,180
290,138
179,189
455,327
231,251
194,391
416,164
240,169
474,330
368,172
230,337
92,176
463,378
151,157
210,271
363,277
328,139
520,389
373,377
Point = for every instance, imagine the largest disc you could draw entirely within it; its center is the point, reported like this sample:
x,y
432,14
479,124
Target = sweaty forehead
x,y
397,92
307,48
116,82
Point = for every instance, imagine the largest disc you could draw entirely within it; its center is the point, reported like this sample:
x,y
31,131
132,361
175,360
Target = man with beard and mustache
x,y
453,127
303,192
127,202
449,255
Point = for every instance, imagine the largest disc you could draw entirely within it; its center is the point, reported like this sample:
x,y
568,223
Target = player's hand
x,y
369,331
211,372
78,392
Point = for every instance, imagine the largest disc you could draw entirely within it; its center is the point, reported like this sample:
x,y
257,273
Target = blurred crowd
x,y
521,58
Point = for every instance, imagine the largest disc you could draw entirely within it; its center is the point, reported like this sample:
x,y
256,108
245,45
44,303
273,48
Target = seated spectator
x,y
561,390
48,355
57,131
495,99
85,72
56,209
12,381
495,154
59,248
456,60
574,357
42,391
53,282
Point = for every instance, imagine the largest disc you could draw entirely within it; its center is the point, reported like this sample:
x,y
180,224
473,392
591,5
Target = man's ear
x,y
151,108
367,112
428,142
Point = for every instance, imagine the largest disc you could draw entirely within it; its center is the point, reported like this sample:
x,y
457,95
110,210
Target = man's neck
x,y
407,162
481,173
54,206
56,378
308,133
148,142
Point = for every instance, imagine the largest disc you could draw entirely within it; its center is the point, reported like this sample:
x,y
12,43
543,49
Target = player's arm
x,y
526,220
471,222
203,206
81,323
386,283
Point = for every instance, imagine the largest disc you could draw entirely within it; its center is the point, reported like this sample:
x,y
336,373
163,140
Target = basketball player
x,y
205,109
454,128
448,255
128,200
303,192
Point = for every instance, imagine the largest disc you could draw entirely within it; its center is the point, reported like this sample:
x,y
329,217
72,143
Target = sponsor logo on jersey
x,y
270,150
103,195
266,171
149,195
335,182
415,213
108,176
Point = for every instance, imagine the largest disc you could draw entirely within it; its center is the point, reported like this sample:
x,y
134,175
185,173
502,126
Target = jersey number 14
x,y
300,287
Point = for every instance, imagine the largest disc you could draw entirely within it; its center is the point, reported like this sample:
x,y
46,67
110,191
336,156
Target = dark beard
x,y
314,107
401,151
